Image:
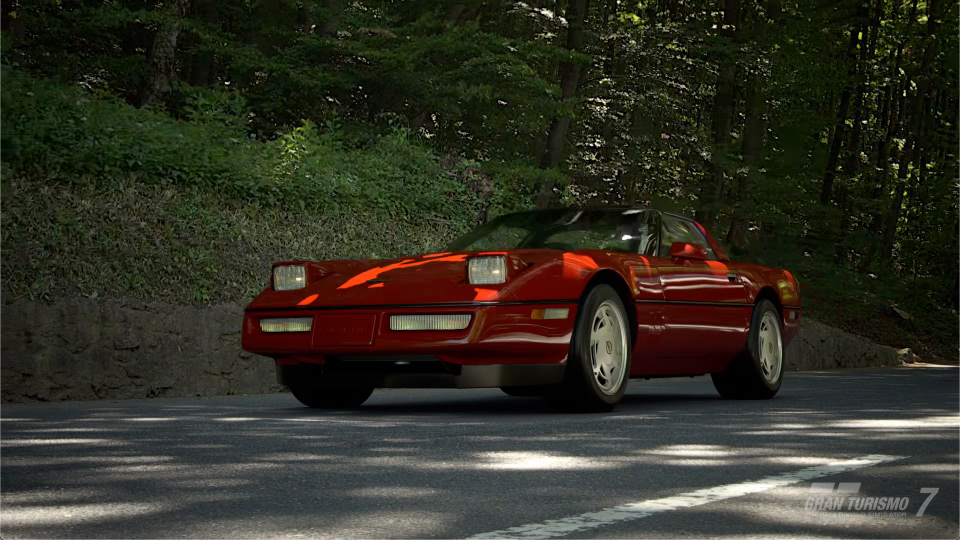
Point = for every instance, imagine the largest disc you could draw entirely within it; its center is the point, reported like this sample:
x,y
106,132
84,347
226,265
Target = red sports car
x,y
566,303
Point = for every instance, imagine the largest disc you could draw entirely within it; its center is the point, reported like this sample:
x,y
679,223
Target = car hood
x,y
437,278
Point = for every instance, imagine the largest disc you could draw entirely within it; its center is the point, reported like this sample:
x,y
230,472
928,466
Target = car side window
x,y
647,233
638,231
632,231
676,229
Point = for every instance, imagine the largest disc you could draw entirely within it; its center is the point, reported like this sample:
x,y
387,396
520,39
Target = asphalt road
x,y
673,460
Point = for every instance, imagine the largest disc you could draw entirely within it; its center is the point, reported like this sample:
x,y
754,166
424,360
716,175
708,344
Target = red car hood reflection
x,y
438,278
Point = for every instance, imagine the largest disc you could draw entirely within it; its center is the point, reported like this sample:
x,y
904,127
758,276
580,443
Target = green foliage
x,y
863,303
69,136
431,117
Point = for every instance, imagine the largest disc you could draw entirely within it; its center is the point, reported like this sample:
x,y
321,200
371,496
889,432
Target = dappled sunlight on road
x,y
42,442
802,461
921,425
64,514
392,524
422,463
694,450
900,424
385,491
290,456
525,461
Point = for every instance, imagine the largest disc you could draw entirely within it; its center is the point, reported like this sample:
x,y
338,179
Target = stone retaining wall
x,y
99,349
108,349
819,346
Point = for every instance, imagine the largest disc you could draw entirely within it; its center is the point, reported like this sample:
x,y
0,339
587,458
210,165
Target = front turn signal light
x,y
550,313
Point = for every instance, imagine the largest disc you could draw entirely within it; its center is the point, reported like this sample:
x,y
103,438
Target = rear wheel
x,y
327,398
758,371
599,361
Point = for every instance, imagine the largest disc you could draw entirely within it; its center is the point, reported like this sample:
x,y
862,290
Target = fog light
x,y
292,324
429,322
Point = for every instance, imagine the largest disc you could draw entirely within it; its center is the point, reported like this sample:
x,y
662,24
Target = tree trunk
x,y
774,9
272,12
754,131
303,18
334,9
753,135
453,14
914,122
833,158
201,65
570,73
14,21
852,164
875,28
888,126
162,57
829,177
712,187
609,12
896,205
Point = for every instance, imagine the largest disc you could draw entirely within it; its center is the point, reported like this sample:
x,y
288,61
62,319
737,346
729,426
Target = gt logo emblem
x,y
609,347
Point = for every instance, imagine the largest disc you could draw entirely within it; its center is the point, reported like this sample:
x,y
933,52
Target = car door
x,y
641,229
706,310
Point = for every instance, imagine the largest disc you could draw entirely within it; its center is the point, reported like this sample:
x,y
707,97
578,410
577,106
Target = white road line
x,y
553,528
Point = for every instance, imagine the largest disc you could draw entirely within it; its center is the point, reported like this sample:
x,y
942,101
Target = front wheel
x,y
328,398
599,361
758,371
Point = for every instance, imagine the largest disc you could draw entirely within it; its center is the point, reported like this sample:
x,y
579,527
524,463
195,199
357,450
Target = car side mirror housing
x,y
683,250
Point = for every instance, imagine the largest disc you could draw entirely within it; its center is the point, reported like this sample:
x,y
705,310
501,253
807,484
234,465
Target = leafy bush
x,y
67,135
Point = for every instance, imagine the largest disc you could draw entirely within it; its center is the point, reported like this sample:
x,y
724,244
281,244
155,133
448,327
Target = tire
x,y
758,371
326,398
524,391
599,362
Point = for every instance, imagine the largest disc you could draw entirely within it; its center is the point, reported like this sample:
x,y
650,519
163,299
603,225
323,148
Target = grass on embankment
x,y
155,243
103,199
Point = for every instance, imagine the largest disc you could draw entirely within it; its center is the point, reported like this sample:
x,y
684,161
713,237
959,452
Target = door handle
x,y
733,278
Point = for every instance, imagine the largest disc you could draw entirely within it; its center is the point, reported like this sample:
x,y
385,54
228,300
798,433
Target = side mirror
x,y
683,250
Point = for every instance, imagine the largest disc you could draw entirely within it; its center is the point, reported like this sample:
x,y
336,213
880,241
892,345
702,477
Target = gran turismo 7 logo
x,y
844,497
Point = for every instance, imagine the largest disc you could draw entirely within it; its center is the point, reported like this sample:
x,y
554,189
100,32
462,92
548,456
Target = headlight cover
x,y
487,270
288,277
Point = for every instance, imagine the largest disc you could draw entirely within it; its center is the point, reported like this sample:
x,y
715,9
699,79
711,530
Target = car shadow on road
x,y
501,406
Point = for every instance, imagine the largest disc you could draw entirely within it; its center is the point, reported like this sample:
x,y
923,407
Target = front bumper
x,y
504,345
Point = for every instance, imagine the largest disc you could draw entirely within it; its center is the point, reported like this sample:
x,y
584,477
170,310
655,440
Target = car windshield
x,y
628,231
